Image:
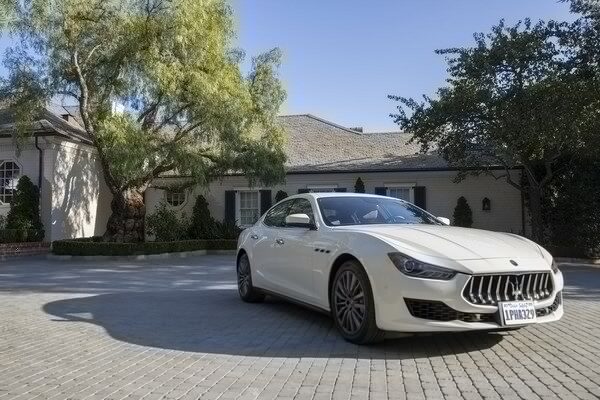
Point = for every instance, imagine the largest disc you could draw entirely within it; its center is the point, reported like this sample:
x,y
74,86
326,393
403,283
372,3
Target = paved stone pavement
x,y
175,329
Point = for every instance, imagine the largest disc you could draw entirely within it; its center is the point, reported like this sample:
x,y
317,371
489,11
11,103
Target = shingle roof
x,y
317,145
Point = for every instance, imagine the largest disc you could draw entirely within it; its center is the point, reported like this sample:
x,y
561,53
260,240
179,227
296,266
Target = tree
x,y
463,215
359,186
6,10
202,223
25,207
171,68
523,96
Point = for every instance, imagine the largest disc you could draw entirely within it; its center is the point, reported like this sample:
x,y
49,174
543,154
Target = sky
x,y
343,57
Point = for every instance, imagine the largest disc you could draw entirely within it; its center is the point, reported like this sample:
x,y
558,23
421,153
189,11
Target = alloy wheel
x,y
349,303
243,276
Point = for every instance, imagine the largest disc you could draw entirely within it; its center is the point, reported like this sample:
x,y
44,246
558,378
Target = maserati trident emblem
x,y
513,262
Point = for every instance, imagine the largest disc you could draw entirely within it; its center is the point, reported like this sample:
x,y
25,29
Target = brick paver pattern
x,y
176,329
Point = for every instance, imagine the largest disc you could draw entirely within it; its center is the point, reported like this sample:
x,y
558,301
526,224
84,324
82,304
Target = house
x,y
322,156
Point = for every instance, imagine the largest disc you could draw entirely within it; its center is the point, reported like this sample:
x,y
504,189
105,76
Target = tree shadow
x,y
214,320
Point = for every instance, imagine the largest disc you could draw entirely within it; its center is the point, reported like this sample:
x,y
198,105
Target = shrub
x,y
165,225
463,215
25,207
202,225
280,195
359,186
95,247
226,231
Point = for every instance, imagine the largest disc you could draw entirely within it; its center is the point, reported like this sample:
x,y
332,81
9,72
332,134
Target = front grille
x,y
438,311
492,289
542,312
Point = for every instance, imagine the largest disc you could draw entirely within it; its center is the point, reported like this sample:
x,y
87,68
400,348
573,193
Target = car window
x,y
302,206
276,215
363,210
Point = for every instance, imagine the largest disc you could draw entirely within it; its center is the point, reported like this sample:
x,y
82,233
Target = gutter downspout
x,y
40,165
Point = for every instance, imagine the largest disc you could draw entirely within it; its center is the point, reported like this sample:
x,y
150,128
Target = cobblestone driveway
x,y
176,329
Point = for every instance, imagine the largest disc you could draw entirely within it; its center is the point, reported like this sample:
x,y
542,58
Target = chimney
x,y
358,129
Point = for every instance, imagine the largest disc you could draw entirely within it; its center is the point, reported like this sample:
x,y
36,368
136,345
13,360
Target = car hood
x,y
453,243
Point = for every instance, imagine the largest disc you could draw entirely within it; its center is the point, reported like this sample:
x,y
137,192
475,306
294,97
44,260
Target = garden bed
x,y
95,247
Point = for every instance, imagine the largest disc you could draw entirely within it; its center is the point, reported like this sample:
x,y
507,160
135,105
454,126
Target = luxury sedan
x,y
379,264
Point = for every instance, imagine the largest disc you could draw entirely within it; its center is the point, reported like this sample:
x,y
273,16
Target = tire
x,y
352,305
248,293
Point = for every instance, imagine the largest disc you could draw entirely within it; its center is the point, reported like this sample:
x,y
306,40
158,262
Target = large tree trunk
x,y
126,224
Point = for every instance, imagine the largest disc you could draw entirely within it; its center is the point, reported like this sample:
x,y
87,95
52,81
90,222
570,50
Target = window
x,y
302,206
321,188
175,198
359,210
276,215
9,176
248,207
402,192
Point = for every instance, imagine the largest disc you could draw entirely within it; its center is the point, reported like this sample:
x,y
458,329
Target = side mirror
x,y
444,220
299,221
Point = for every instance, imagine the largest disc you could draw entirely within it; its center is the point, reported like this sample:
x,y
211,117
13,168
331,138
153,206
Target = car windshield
x,y
363,210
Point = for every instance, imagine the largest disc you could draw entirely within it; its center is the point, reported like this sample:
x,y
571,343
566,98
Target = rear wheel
x,y
352,305
247,292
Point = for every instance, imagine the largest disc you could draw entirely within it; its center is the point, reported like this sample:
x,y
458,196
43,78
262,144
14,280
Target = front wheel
x,y
247,292
352,305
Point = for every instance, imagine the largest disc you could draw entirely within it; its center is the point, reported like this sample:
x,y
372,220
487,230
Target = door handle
x,y
254,237
279,241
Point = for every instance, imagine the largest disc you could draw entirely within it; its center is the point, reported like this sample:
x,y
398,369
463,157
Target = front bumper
x,y
393,313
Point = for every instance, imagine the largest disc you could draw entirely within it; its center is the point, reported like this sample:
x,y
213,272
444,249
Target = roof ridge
x,y
322,120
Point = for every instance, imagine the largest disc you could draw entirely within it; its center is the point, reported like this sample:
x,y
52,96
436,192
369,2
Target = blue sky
x,y
343,57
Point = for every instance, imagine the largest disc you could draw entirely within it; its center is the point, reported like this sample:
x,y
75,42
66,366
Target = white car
x,y
380,264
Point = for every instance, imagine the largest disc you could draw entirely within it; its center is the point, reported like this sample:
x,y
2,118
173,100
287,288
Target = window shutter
x,y
265,201
420,197
339,189
230,206
303,190
382,191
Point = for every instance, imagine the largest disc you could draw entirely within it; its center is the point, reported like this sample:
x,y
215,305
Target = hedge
x,y
21,235
95,247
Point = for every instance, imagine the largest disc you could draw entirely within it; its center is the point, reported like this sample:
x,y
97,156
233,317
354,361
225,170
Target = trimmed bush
x,y
95,247
23,222
165,225
202,224
280,195
359,186
463,215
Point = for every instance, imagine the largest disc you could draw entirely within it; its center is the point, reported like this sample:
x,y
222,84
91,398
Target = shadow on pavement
x,y
217,321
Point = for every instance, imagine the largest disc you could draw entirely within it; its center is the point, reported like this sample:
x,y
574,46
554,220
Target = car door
x,y
265,249
293,256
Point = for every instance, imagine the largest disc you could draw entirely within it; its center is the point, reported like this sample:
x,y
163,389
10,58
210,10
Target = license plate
x,y
517,312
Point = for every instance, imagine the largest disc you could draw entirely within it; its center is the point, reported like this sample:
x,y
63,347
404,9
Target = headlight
x,y
554,267
411,267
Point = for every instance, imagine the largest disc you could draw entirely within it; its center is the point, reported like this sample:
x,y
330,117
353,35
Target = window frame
x,y
238,203
410,186
2,187
170,192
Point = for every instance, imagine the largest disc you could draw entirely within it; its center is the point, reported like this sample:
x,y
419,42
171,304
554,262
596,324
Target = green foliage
x,y
463,215
574,220
280,195
203,226
25,207
96,247
172,65
165,225
359,186
524,96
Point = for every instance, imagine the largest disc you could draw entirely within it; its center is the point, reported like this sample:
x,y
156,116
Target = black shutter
x,y
339,189
265,201
230,206
420,197
381,191
303,190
